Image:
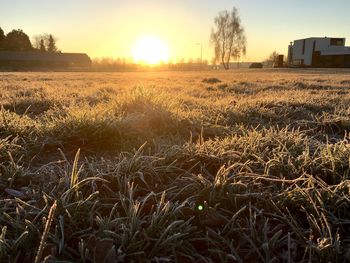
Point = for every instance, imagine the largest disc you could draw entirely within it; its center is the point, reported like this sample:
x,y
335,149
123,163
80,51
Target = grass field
x,y
239,166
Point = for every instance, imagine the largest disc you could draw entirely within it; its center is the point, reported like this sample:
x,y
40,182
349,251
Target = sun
x,y
150,50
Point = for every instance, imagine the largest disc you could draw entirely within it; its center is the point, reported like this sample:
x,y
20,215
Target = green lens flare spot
x,y
200,207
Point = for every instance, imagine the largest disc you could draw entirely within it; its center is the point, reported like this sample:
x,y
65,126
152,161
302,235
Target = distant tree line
x,y
17,40
127,64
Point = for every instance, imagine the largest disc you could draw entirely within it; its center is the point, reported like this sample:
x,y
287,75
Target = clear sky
x,y
109,28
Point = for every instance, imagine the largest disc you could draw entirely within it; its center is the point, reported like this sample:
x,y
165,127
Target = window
x,y
337,42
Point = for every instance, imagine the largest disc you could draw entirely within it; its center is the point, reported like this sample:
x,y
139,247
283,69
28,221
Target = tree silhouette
x,y
39,39
2,39
51,46
228,37
17,40
45,42
42,45
272,58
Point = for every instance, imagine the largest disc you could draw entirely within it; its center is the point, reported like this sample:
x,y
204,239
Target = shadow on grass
x,y
29,106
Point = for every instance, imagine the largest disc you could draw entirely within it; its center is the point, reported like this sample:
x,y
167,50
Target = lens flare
x,y
200,207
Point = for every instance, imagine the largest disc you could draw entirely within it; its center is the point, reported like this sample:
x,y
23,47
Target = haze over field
x,y
110,28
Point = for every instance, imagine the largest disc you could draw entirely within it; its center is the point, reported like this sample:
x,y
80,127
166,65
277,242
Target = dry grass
x,y
127,159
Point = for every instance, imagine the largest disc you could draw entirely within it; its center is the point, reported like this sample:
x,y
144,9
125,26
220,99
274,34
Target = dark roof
x,y
44,56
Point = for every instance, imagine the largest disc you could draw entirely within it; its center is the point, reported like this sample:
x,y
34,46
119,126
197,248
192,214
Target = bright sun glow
x,y
150,50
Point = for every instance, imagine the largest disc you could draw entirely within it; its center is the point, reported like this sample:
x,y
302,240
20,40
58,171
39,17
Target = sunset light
x,y
174,131
150,50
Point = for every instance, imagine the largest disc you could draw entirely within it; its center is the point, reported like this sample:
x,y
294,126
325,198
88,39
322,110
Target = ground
x,y
237,166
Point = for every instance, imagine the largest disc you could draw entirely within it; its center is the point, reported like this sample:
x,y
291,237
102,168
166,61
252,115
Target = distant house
x,y
319,52
38,59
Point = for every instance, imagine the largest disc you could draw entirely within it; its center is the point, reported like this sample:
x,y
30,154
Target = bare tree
x,y
228,37
271,60
36,41
39,39
45,42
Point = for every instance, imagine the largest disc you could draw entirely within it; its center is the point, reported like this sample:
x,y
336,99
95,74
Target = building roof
x,y
320,38
44,56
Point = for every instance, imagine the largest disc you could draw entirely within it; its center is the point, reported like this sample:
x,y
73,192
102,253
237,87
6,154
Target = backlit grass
x,y
239,166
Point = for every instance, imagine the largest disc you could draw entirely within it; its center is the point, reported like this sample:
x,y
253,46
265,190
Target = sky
x,y
110,28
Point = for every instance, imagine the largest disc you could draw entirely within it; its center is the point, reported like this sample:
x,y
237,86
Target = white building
x,y
319,52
